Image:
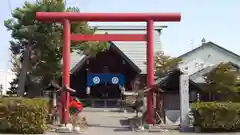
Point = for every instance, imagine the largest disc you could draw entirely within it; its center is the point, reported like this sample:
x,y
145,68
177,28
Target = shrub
x,y
217,116
22,115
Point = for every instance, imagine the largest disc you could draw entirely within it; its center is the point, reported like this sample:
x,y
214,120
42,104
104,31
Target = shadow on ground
x,y
115,128
108,109
124,122
123,129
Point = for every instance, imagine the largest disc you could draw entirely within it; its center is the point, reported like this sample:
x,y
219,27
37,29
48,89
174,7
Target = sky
x,y
215,20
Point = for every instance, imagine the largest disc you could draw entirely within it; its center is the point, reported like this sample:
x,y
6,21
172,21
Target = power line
x,y
65,3
10,5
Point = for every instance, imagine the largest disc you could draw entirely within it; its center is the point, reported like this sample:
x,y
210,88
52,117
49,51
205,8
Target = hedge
x,y
22,115
217,116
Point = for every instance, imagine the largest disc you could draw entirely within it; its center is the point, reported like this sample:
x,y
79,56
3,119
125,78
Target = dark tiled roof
x,y
163,81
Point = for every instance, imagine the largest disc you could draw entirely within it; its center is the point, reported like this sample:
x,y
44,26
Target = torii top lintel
x,y
107,17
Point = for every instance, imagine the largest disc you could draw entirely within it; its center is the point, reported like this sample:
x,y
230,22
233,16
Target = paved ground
x,y
108,123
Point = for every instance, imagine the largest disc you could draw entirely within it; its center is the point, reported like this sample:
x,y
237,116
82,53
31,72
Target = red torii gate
x,y
67,17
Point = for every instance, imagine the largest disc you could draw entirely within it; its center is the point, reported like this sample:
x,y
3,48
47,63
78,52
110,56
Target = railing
x,y
103,103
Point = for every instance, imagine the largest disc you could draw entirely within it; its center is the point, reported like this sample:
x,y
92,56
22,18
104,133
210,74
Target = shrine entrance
x,y
99,80
67,17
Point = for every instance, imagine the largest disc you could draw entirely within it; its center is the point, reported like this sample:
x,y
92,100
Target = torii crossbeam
x,y
67,17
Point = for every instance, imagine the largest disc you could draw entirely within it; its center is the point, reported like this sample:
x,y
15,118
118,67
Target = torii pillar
x,y
67,17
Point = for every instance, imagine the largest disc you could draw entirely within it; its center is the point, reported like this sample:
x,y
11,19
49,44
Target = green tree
x,y
223,82
165,63
38,45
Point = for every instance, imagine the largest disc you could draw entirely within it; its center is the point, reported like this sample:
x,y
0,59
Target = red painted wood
x,y
107,17
150,69
108,37
65,95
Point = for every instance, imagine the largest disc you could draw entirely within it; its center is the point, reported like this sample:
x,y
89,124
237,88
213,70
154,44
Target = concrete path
x,y
108,123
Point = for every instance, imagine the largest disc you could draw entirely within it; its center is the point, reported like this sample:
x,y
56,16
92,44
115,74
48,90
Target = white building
x,y
6,76
202,59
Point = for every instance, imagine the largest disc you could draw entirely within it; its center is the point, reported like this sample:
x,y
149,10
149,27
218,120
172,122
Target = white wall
x,y
5,78
194,65
204,56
